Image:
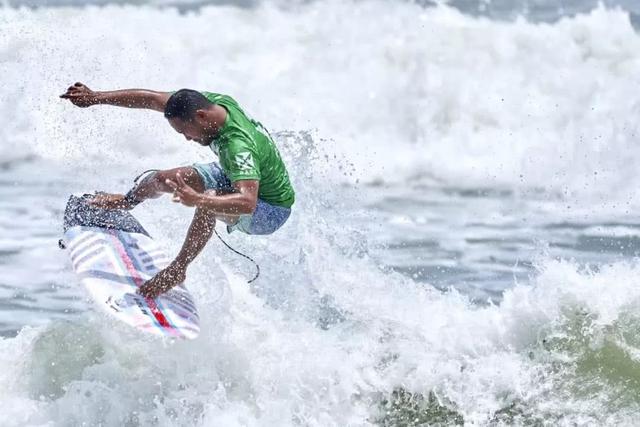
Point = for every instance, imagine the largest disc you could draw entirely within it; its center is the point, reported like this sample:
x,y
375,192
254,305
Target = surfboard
x,y
113,255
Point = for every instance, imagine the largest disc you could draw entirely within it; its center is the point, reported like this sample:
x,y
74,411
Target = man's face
x,y
192,131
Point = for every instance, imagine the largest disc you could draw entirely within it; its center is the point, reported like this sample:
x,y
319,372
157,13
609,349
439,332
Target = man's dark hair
x,y
184,103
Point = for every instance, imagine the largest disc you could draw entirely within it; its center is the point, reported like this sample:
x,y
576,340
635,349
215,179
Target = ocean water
x,y
464,244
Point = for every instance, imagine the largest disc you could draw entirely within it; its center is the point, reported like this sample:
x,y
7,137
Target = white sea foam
x,y
256,365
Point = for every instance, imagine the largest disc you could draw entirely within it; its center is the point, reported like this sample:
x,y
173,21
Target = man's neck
x,y
217,118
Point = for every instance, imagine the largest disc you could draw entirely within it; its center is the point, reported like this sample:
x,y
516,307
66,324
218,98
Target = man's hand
x,y
166,279
183,193
80,95
110,201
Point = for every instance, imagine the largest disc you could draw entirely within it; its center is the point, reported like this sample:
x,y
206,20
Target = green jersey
x,y
246,151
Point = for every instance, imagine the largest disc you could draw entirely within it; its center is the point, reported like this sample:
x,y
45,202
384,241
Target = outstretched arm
x,y
81,96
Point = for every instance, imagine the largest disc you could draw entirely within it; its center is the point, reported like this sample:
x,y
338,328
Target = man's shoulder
x,y
211,96
237,141
219,98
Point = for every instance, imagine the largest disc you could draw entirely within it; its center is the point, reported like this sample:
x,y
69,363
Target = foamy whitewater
x,y
463,248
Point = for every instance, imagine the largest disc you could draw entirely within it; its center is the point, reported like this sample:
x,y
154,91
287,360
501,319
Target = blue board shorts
x,y
266,219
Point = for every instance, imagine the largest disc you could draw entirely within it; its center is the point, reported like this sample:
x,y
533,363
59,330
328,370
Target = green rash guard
x,y
246,151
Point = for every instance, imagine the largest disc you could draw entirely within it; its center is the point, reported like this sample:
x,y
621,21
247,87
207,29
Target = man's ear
x,y
201,114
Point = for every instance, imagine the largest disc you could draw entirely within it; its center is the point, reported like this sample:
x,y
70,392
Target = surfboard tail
x,y
79,213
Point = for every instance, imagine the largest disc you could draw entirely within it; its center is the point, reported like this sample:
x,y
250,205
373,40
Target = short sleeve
x,y
240,161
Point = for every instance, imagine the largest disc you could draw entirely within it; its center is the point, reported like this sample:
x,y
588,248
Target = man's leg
x,y
151,187
198,235
155,184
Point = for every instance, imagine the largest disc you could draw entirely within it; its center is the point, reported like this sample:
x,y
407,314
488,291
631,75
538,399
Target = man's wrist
x,y
98,98
203,201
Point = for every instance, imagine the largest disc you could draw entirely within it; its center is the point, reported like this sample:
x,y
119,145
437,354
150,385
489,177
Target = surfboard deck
x,y
113,255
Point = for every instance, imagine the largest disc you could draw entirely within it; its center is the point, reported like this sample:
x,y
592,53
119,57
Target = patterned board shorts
x,y
265,219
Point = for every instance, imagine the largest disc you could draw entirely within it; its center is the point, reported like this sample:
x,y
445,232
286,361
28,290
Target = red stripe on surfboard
x,y
139,281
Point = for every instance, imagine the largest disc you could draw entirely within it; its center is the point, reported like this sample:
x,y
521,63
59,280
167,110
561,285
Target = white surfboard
x,y
113,256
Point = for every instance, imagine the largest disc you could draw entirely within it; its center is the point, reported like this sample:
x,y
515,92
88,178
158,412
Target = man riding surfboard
x,y
249,189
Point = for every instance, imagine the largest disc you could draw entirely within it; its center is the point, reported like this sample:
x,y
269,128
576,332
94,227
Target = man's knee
x,y
189,174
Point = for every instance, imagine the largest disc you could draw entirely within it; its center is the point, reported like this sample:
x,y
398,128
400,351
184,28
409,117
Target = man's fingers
x,y
180,197
171,184
180,189
178,194
71,94
180,180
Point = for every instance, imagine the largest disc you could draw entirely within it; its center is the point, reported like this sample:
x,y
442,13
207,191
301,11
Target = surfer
x,y
249,189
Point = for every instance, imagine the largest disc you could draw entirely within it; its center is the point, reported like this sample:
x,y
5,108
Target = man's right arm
x,y
81,96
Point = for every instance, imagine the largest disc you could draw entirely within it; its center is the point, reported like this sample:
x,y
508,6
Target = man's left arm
x,y
242,201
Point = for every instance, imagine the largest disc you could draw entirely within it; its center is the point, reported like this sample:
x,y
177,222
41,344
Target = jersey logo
x,y
244,161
